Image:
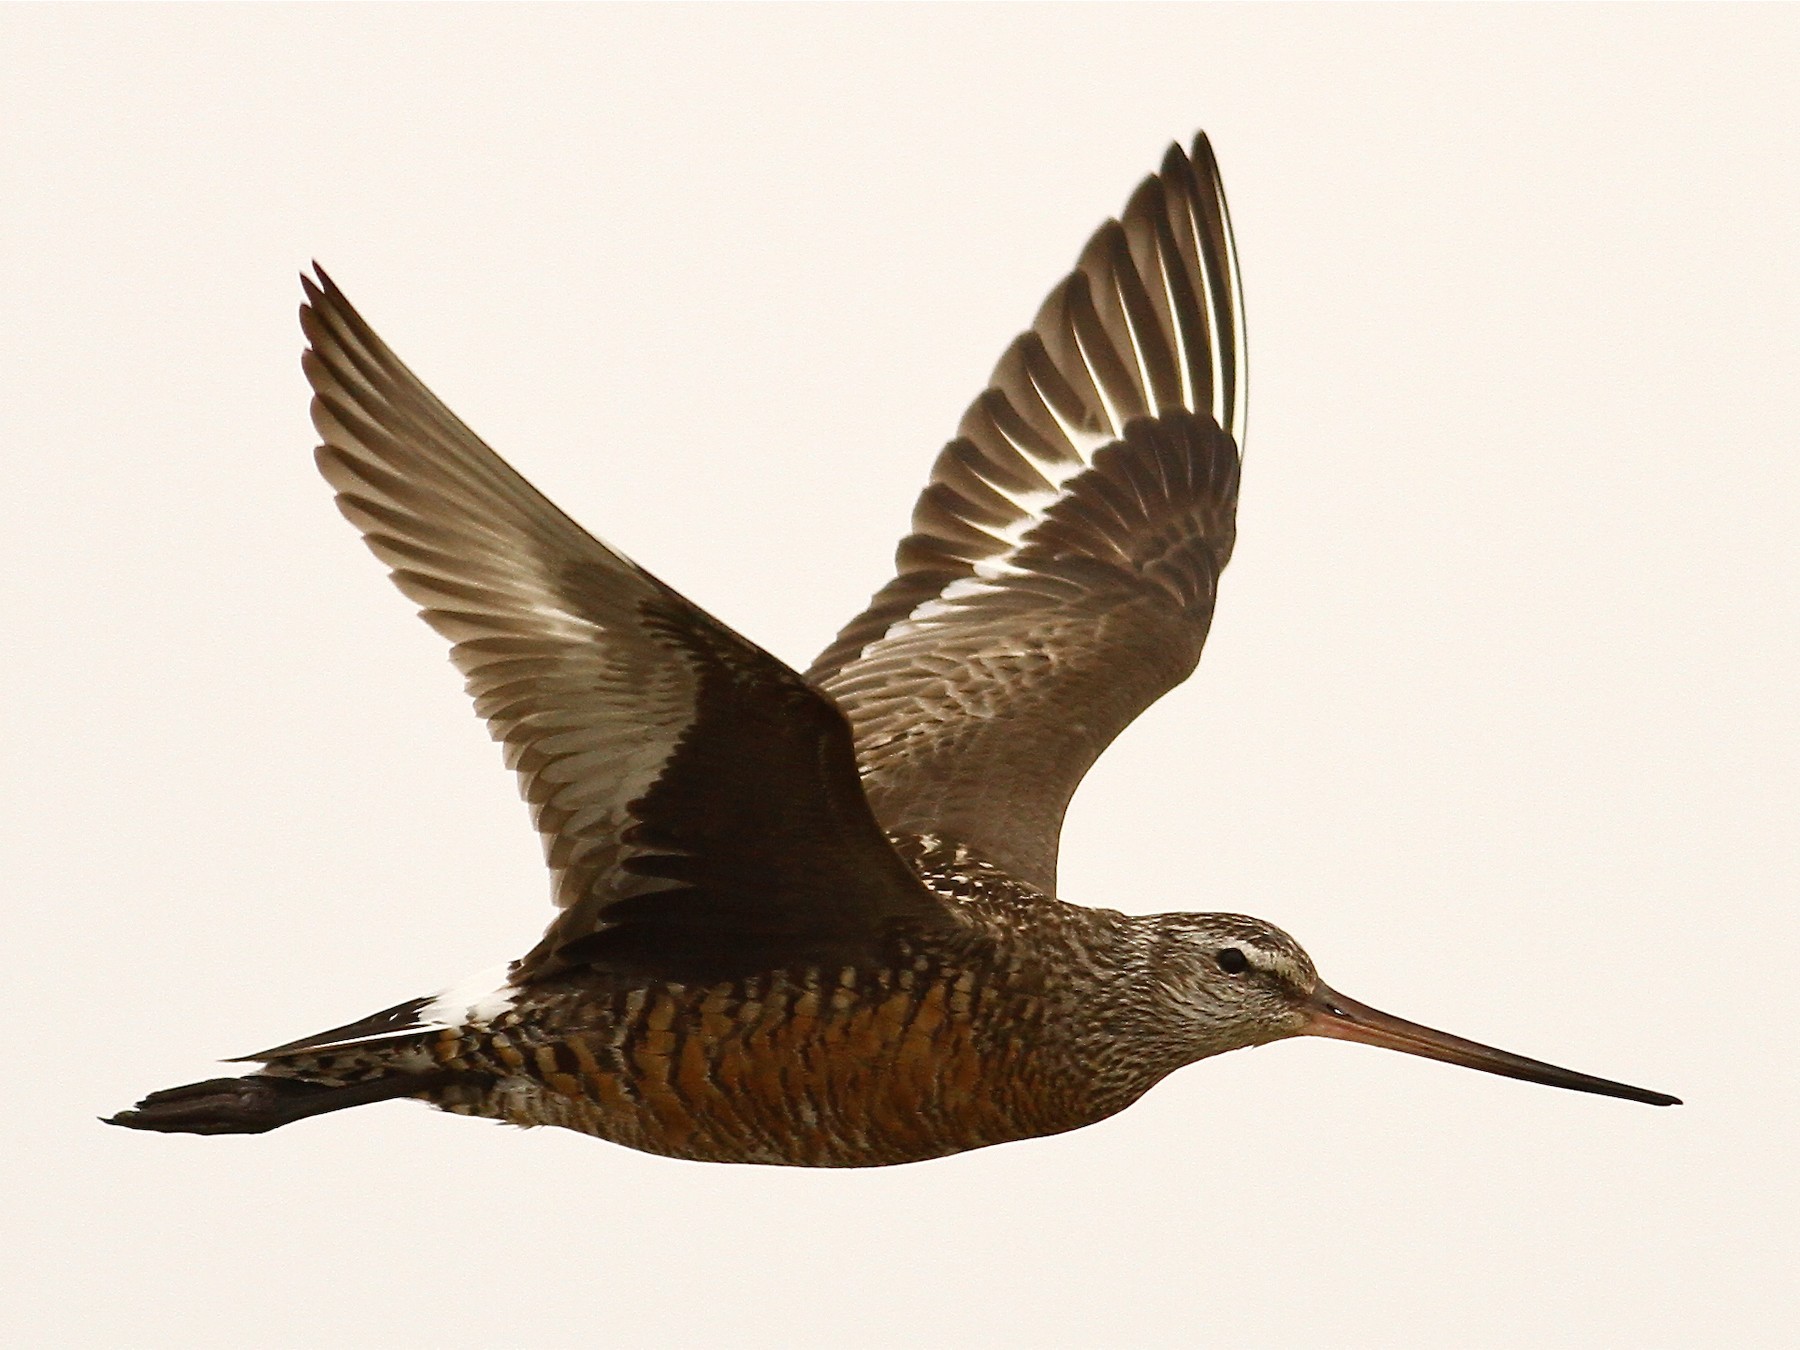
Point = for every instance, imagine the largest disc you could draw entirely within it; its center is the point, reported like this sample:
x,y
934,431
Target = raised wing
x,y
698,800
1063,562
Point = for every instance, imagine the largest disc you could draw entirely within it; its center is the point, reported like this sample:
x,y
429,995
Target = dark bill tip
x,y
1331,1014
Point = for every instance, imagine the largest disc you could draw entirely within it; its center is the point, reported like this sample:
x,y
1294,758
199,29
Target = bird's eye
x,y
1232,961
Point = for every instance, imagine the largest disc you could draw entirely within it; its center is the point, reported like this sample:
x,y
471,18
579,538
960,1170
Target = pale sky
x,y
1498,717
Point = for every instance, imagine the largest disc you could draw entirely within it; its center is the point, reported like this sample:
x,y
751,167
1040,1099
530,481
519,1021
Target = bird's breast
x,y
820,1068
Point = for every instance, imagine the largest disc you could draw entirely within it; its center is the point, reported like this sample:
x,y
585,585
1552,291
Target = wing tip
x,y
402,1019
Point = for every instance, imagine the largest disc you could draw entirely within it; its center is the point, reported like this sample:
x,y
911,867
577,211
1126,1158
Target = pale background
x,y
1498,715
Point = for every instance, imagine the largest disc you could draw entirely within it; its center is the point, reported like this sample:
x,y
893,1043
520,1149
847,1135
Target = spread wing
x,y
698,800
1063,561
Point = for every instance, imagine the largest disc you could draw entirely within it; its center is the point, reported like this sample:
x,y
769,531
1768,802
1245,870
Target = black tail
x,y
259,1102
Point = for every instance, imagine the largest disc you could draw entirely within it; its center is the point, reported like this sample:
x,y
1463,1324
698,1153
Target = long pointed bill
x,y
1331,1014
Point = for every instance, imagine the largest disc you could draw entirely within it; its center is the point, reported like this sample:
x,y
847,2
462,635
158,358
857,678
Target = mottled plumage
x,y
811,920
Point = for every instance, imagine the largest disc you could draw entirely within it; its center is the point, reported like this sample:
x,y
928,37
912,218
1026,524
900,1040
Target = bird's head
x,y
1225,981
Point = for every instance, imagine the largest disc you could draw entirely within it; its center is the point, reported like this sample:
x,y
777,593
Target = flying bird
x,y
812,919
